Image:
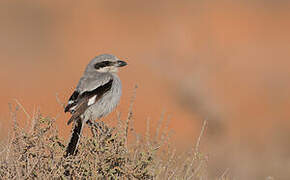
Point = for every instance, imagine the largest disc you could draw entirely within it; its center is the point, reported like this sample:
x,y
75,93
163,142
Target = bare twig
x,y
200,135
130,113
159,126
225,173
147,135
23,109
59,101
196,150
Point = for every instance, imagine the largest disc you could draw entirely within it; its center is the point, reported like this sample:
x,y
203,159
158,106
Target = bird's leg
x,y
95,127
93,130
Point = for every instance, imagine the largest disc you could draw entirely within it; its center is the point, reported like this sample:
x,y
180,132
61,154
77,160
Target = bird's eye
x,y
102,64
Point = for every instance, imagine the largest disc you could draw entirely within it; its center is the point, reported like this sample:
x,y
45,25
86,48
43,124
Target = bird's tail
x,y
75,137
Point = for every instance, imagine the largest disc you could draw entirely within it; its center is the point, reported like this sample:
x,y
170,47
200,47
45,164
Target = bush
x,y
106,154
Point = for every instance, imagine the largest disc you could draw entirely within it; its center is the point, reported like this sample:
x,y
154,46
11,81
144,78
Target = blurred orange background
x,y
224,61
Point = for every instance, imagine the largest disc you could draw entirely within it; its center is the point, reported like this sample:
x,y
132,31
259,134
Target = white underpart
x,y
92,100
70,102
106,103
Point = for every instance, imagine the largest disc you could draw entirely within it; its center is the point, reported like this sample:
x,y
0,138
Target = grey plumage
x,y
96,95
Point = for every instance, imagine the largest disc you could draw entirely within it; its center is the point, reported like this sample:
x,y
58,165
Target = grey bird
x,y
98,92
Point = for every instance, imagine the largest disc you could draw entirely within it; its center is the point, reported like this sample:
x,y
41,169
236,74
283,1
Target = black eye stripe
x,y
103,64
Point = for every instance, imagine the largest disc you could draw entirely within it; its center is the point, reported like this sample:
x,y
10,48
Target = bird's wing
x,y
91,81
88,83
72,101
78,106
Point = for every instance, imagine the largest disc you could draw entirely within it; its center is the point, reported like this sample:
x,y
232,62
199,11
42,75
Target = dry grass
x,y
106,153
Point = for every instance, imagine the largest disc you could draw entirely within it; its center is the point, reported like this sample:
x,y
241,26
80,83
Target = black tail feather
x,y
75,137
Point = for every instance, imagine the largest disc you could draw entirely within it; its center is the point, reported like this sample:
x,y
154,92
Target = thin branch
x,y
200,136
23,109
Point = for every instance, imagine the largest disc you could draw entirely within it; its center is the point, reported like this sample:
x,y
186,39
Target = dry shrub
x,y
105,154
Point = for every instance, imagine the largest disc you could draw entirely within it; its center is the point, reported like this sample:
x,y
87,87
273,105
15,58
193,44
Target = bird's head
x,y
105,63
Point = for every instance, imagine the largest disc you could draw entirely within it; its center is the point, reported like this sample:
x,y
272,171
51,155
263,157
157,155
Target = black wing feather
x,y
79,99
72,98
98,91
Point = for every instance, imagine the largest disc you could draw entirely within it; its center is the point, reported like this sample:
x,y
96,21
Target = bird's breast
x,y
107,103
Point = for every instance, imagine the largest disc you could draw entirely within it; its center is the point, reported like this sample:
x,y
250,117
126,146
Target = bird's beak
x,y
120,63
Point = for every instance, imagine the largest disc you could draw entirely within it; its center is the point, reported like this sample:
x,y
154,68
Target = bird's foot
x,y
96,127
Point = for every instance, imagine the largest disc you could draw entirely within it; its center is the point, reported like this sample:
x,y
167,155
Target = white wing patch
x,y
70,102
92,100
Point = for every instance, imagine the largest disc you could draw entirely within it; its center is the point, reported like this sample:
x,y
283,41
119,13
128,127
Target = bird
x,y
96,95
